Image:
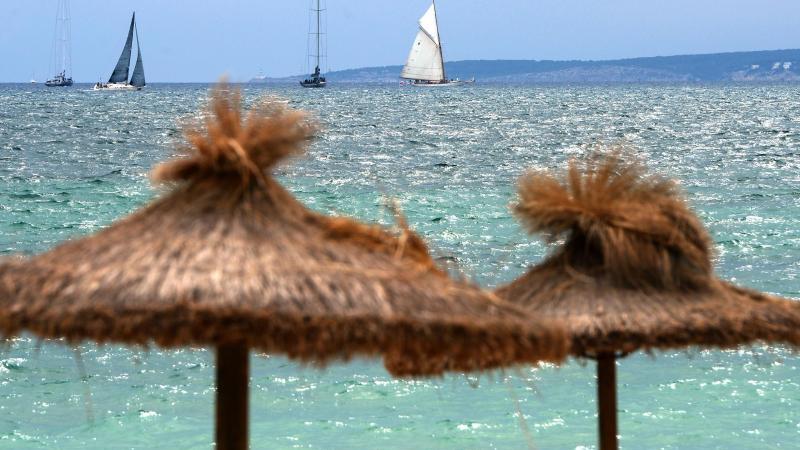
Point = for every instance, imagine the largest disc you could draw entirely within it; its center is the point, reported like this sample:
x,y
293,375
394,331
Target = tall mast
x,y
318,12
439,39
62,51
67,39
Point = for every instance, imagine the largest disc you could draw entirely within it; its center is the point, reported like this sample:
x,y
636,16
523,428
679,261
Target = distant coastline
x,y
752,66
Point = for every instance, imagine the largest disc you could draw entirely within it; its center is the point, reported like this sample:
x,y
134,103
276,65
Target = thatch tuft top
x,y
229,142
632,268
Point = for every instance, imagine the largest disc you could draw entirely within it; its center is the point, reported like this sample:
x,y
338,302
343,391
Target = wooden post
x,y
233,376
607,400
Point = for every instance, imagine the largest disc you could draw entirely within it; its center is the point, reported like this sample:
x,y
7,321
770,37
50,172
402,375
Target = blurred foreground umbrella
x,y
228,258
633,272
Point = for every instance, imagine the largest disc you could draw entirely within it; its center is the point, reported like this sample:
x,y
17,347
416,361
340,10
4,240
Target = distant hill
x,y
767,65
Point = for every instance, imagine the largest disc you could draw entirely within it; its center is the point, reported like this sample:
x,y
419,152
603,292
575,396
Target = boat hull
x,y
58,83
313,84
448,83
116,87
436,85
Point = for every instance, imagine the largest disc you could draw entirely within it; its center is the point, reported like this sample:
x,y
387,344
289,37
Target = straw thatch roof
x,y
228,255
632,268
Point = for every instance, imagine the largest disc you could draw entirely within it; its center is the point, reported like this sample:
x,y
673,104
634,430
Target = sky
x,y
200,40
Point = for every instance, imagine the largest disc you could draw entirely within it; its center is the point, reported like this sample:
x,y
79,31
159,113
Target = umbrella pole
x,y
233,378
607,400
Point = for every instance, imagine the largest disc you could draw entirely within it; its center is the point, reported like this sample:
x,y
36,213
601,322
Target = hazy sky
x,y
199,40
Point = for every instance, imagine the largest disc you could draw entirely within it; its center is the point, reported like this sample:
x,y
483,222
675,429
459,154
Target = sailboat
x,y
316,80
425,63
62,52
119,77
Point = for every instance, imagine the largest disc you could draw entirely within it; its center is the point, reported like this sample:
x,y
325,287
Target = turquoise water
x,y
74,160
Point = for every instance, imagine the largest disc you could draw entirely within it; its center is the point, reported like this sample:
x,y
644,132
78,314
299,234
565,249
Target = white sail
x,y
425,58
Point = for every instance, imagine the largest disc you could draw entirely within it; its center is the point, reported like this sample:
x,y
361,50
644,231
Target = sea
x,y
73,161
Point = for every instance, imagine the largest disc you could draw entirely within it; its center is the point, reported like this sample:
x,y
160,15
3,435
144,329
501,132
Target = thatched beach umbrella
x,y
633,272
228,258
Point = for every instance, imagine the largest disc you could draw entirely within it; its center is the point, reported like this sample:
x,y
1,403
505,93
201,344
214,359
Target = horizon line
x,y
278,77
